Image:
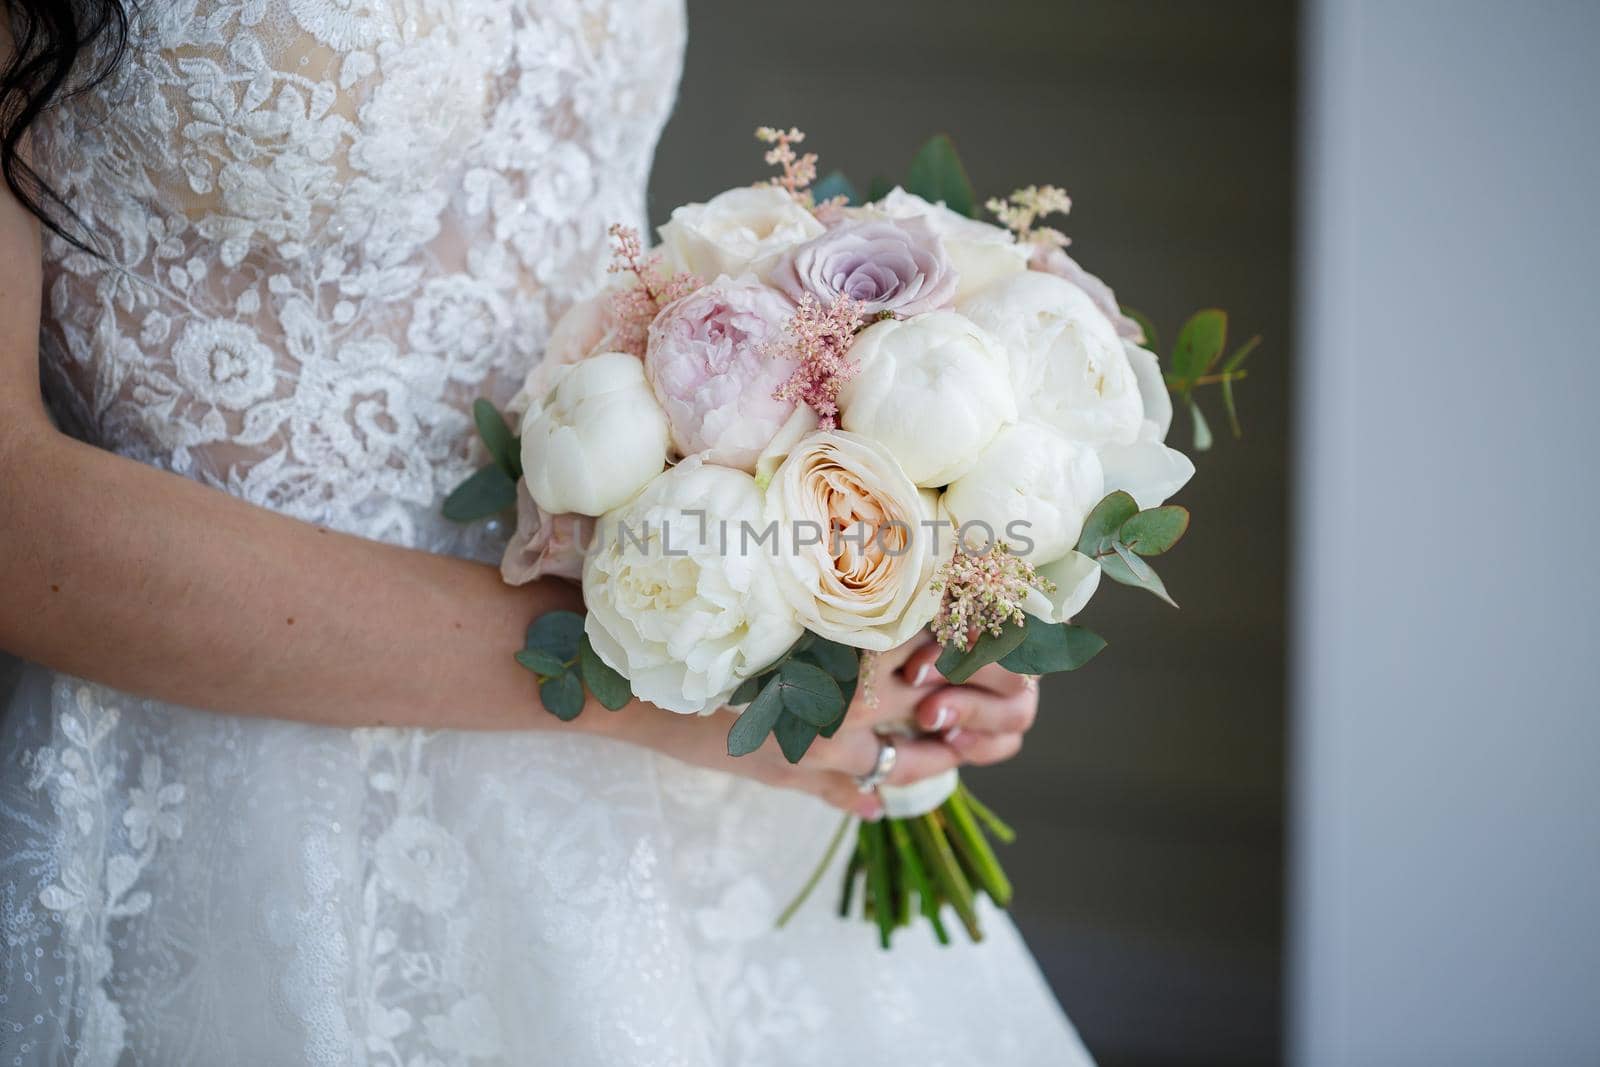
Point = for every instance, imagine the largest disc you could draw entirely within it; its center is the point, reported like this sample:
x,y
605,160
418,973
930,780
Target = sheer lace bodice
x,y
330,225
336,222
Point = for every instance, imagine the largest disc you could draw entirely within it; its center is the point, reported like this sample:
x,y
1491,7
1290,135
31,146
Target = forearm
x,y
145,581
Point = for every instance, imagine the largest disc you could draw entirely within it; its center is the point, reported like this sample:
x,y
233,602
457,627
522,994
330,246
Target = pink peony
x,y
712,364
1057,262
897,265
545,545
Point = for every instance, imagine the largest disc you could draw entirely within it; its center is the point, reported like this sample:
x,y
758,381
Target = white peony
x,y
595,439
680,601
1075,576
933,389
1031,488
1147,468
736,231
981,253
857,542
1068,366
584,330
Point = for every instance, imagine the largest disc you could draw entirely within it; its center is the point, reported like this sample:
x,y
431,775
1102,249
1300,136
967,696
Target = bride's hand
x,y
908,692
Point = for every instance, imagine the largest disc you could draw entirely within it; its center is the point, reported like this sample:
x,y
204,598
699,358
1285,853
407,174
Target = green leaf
x,y
1051,647
562,695
988,649
497,438
841,661
558,633
539,661
810,692
753,725
486,493
879,187
1155,530
937,174
835,184
1152,340
1200,344
1118,571
610,688
794,735
1100,528
1202,429
747,690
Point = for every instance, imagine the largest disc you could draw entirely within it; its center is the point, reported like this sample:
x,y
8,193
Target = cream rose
x,y
595,439
680,601
1068,367
857,547
933,389
981,253
736,231
1148,469
1031,488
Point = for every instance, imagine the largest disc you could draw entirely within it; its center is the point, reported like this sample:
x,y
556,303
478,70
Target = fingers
x,y
897,657
916,759
918,669
996,679
841,791
963,708
984,749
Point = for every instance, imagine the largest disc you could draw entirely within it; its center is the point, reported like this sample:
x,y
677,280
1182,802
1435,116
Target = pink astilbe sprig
x,y
799,171
635,307
818,339
982,592
1025,207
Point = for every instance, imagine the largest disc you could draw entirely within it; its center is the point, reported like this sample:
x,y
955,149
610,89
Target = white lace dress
x,y
334,224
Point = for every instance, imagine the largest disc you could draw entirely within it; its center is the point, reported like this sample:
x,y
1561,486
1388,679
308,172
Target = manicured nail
x,y
950,737
922,676
940,717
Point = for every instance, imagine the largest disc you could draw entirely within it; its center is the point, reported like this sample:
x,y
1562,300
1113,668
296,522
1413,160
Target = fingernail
x,y
951,737
940,717
922,676
873,812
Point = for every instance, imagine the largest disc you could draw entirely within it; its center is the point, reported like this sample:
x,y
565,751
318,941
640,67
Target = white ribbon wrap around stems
x,y
918,798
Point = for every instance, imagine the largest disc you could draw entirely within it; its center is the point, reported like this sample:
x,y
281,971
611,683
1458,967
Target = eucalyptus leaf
x,y
1051,647
609,687
497,438
485,494
1241,354
810,692
539,661
1118,571
835,184
1202,429
1155,530
1200,344
747,690
562,695
988,648
937,174
753,725
1152,340
794,735
558,633
841,661
1101,527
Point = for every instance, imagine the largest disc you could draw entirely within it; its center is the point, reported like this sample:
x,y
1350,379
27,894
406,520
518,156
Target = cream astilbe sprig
x,y
1020,211
635,307
983,591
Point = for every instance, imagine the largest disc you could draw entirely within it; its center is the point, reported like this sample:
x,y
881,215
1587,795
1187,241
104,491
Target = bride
x,y
260,256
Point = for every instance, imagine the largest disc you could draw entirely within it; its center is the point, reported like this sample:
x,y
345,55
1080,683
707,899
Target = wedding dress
x,y
334,223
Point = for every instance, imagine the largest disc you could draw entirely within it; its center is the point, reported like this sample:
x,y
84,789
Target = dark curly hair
x,y
58,47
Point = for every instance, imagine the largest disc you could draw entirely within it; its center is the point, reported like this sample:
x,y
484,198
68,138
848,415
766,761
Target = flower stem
x,y
935,849
927,897
992,822
970,844
816,875
880,891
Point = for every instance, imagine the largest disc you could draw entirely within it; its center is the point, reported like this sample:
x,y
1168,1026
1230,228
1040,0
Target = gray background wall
x,y
1447,765
1150,796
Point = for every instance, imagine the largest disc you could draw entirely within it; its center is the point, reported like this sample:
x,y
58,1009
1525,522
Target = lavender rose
x,y
897,265
709,364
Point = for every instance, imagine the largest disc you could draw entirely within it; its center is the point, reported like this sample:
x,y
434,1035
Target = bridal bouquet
x,y
810,427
